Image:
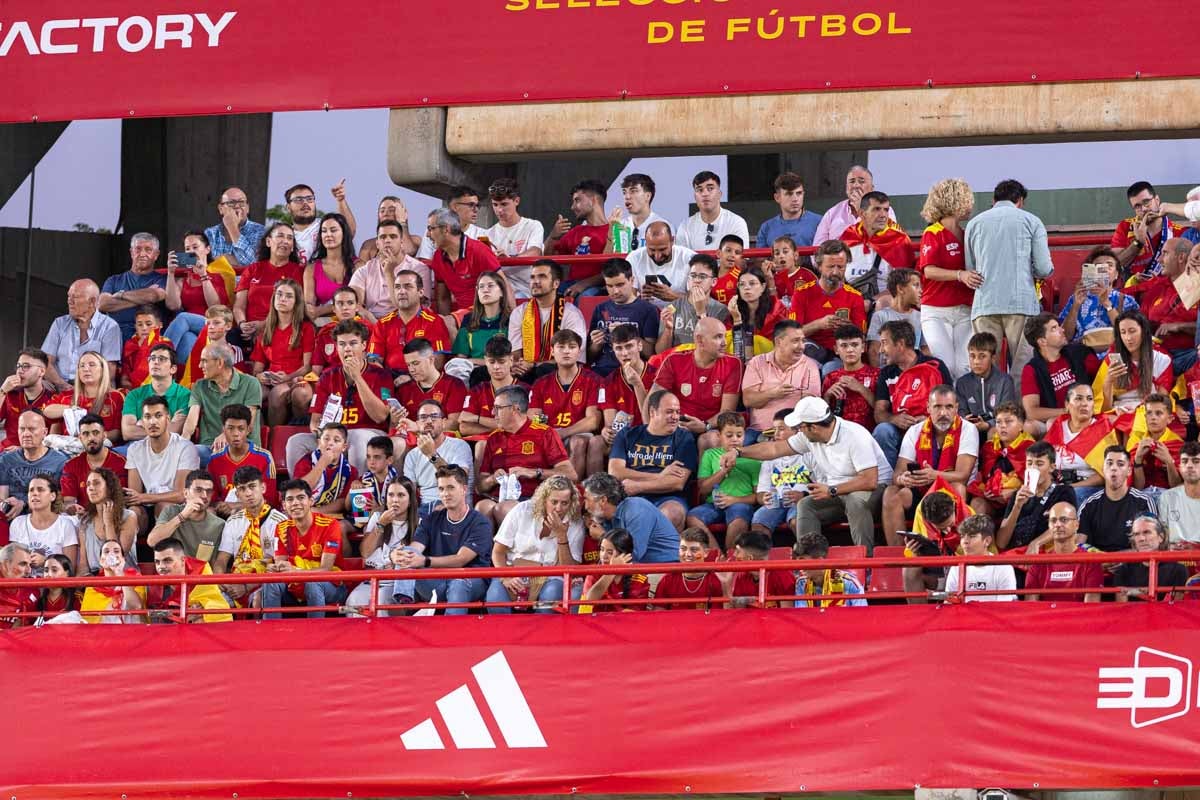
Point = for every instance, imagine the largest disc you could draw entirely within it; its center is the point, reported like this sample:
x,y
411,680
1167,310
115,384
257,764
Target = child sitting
x,y
147,326
730,492
1001,461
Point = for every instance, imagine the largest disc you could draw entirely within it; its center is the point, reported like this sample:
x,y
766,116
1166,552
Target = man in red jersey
x,y
623,394
1173,324
428,383
1139,239
95,454
238,451
521,447
706,380
354,394
22,390
304,542
408,322
587,233
829,302
457,261
569,398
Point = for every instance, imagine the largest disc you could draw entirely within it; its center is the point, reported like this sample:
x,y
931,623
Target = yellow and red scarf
x,y
891,244
250,555
949,451
535,336
191,370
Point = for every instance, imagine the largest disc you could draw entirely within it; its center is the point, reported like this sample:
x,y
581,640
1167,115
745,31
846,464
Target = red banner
x,y
756,702
63,59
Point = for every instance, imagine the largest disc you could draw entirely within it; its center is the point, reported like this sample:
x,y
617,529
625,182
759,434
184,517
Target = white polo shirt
x,y
850,450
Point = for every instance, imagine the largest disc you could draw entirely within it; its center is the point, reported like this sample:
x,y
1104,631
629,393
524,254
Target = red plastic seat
x,y
587,307
277,444
780,554
887,579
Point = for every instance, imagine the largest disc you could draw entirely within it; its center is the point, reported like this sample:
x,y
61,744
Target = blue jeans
x,y
888,436
459,590
709,513
206,453
183,332
830,366
315,594
1183,360
552,592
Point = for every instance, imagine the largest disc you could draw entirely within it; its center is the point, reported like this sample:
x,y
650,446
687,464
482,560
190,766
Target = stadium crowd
x,y
674,402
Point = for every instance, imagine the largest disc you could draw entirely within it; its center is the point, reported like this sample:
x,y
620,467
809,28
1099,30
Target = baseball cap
x,y
809,410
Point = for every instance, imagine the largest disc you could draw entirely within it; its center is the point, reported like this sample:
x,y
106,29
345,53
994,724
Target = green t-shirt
x,y
178,399
470,343
742,479
243,389
202,538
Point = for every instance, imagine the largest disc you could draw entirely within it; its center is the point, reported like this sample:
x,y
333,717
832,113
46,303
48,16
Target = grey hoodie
x,y
980,396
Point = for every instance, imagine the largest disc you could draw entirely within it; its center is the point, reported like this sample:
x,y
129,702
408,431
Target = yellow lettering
x,y
802,24
660,32
831,24
607,3
640,2
691,30
861,29
516,5
736,25
545,4
578,3
776,31
892,27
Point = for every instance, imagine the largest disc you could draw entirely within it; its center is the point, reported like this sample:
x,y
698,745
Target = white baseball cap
x,y
809,410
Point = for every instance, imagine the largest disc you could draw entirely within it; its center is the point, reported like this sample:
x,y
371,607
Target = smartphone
x,y
658,279
185,259
1114,359
842,313
1031,480
914,467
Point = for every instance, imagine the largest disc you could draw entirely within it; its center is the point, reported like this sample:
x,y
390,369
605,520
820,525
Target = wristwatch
x,y
428,561
833,491
538,474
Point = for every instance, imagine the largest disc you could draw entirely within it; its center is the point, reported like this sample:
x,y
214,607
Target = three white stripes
x,y
504,698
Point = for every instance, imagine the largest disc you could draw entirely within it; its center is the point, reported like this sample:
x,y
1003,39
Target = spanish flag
x,y
191,370
961,512
891,243
1134,427
1089,444
1164,379
225,271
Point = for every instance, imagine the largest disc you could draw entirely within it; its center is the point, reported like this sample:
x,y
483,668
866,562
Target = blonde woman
x,y
948,288
283,355
93,393
545,530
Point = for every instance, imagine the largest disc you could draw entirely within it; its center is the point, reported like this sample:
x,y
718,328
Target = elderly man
x,y
236,236
1006,246
655,540
859,182
26,388
15,563
140,285
707,381
660,267
30,459
222,385
1173,324
83,329
780,378
848,469
1085,577
942,446
457,262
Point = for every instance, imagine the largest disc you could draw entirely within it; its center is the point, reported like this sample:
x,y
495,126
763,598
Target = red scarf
x,y
950,440
892,243
1000,464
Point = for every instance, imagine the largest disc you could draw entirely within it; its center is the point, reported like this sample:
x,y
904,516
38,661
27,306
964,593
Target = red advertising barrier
x,y
67,59
756,702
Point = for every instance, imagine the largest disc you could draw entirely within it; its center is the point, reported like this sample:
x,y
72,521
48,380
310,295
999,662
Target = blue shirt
x,y
655,540
442,537
62,342
1091,315
245,252
802,229
609,315
1007,246
16,470
642,451
130,281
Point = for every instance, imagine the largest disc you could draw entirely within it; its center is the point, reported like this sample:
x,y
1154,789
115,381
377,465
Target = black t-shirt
x,y
1033,521
1106,523
1138,574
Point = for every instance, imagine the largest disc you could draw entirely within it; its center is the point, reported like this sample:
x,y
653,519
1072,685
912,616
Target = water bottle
x,y
585,246
621,421
716,490
619,235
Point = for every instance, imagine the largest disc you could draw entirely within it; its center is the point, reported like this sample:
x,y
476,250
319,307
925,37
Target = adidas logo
x,y
460,713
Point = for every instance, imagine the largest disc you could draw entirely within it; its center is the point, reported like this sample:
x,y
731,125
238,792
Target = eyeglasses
x,y
501,408
22,366
303,198
158,358
235,203
699,276
708,239
428,417
472,206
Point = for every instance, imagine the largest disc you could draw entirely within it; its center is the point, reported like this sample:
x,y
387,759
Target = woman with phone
x,y
191,293
283,355
1134,369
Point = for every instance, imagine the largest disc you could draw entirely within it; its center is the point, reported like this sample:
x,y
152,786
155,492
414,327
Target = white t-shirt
x,y
675,270
968,444
512,242
426,251
986,578
850,450
860,264
63,532
1066,459
306,240
693,231
157,470
640,230
237,525
381,557
1181,515
521,533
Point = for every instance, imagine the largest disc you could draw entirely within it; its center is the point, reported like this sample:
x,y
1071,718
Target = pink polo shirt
x,y
764,373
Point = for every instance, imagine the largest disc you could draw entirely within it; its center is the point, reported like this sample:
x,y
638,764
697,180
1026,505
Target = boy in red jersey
x,y
305,541
147,326
850,389
741,588
325,351
704,587
477,417
428,383
569,398
789,274
729,268
238,451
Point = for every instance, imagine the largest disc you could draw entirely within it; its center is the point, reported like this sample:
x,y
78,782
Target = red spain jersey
x,y
281,355
566,405
705,590
305,550
1160,303
110,411
481,398
638,588
449,391
779,582
325,352
620,396
786,284
854,406
725,286
354,414
223,465
811,303
941,248
73,480
1123,236
535,446
17,601
392,333
16,403
699,390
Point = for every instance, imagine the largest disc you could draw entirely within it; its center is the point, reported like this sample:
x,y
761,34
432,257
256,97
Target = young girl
x,y
57,600
615,548
330,269
1140,371
789,275
388,530
44,530
283,355
104,517
93,394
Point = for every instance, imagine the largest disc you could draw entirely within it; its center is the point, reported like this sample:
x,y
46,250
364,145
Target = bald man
x,y
660,269
1065,540
707,381
83,329
236,236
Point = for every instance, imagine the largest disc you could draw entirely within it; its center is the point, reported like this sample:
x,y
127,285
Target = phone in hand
x,y
658,279
185,259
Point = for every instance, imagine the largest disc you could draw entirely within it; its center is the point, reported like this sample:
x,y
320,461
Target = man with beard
x,y
585,232
821,306
435,450
96,454
24,389
533,324
302,205
660,268
140,285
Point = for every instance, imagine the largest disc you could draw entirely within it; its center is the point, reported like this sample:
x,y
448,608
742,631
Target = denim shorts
x,y
709,513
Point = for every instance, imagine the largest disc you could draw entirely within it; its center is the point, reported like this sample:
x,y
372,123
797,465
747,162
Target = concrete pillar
x,y
173,171
23,145
546,183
